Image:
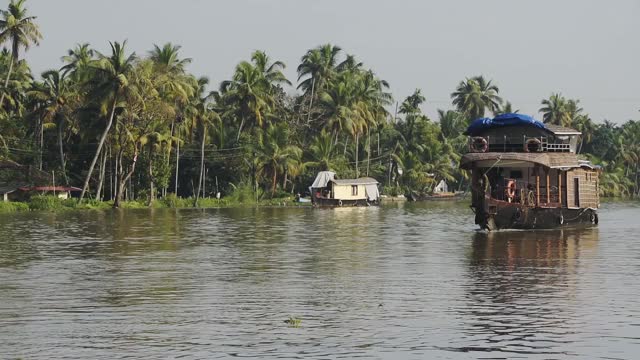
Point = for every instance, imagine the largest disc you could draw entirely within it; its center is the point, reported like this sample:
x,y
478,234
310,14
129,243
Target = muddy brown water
x,y
404,281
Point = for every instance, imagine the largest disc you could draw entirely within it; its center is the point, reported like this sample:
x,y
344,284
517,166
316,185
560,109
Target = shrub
x,y
243,194
45,202
174,202
7,207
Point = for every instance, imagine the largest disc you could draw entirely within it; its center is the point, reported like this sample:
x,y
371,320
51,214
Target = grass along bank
x,y
241,197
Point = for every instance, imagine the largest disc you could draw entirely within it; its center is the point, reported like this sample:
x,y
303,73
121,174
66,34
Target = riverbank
x,y
51,203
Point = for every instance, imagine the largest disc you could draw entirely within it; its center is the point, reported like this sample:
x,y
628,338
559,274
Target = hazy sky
x,y
588,50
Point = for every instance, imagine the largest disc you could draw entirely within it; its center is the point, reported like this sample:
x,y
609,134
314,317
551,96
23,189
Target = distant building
x,y
20,182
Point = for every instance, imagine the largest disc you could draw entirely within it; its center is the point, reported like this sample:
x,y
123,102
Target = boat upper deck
x,y
518,133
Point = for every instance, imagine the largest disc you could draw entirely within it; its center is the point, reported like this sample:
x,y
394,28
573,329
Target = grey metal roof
x,y
360,181
561,130
8,189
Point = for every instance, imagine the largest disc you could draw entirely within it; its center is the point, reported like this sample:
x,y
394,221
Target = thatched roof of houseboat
x,y
360,181
552,160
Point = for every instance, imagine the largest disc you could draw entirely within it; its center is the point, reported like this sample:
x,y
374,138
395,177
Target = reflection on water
x,y
523,285
400,281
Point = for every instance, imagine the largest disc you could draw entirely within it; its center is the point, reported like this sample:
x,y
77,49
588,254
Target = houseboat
x,y
526,175
440,193
329,191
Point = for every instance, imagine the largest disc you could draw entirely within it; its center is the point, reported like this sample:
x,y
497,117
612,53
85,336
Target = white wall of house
x,y
345,192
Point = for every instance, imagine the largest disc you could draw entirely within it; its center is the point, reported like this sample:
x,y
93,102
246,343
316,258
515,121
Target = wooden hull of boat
x,y
452,197
320,202
515,216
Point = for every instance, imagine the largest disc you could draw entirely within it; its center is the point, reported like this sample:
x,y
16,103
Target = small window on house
x,y
354,190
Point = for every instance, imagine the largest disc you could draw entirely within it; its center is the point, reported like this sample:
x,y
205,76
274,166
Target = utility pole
x,y
177,165
389,183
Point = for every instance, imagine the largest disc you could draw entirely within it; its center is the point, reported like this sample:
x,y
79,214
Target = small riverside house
x,y
20,182
329,191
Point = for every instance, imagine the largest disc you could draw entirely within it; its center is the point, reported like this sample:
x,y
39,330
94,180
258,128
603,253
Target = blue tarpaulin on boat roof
x,y
509,119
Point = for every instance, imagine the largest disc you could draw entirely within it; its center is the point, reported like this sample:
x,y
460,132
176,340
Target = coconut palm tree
x,y
271,71
451,123
474,96
202,115
410,108
318,67
250,93
274,151
78,61
20,30
168,58
108,85
55,95
554,110
506,108
323,153
20,81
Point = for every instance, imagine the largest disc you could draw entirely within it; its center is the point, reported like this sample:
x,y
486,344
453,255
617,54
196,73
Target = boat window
x,y
516,174
354,190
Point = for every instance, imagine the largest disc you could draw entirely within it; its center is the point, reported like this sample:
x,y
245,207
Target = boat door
x,y
576,192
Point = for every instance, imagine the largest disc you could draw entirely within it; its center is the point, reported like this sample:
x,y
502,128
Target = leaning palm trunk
x,y
357,143
100,145
275,182
101,172
37,140
204,137
346,142
63,163
6,81
177,165
240,129
313,86
368,150
151,184
122,179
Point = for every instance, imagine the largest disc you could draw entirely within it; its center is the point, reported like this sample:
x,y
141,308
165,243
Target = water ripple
x,y
407,281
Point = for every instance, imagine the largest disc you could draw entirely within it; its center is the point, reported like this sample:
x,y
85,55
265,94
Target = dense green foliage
x,y
132,127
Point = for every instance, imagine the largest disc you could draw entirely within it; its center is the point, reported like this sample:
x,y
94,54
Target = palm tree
x,y
319,67
411,109
19,83
555,111
168,59
78,61
451,123
249,94
202,116
19,29
323,153
506,108
109,84
175,85
584,124
272,72
55,96
475,96
274,151
154,141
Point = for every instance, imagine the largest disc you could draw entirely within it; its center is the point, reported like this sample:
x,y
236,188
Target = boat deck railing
x,y
517,144
526,194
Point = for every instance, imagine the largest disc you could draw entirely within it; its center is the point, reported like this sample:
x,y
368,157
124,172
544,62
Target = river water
x,y
403,281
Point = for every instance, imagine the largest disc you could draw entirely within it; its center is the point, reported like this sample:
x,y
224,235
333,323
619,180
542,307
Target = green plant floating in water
x,y
293,322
